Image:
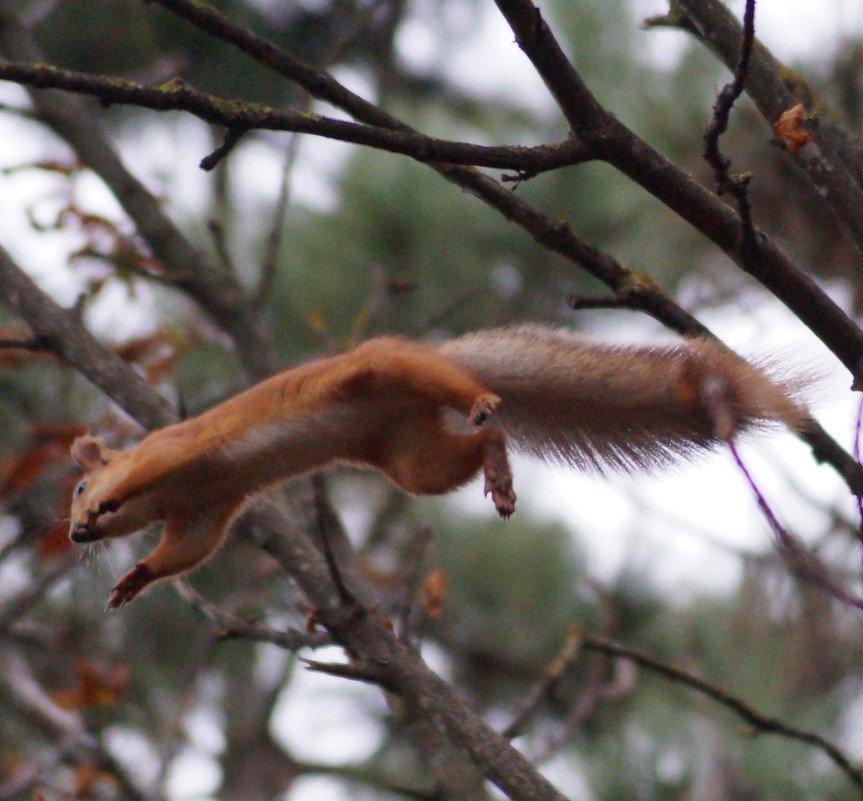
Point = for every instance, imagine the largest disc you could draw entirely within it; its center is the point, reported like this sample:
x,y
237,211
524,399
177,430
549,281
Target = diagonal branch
x,y
63,333
622,149
284,537
632,289
759,722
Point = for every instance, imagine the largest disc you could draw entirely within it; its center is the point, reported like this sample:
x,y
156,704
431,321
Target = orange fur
x,y
385,404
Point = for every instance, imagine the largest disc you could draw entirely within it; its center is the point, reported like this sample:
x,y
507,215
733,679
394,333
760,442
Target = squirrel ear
x,y
90,453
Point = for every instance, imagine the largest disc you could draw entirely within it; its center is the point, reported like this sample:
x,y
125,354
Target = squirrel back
x,y
596,405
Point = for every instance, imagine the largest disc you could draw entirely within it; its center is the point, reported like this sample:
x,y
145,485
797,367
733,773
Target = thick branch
x,y
620,146
639,291
632,289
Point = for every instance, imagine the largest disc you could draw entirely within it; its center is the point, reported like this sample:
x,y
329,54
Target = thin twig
x,y
413,574
34,344
275,235
737,186
760,722
725,102
232,627
231,140
831,161
802,561
858,435
218,293
355,671
18,605
323,519
553,675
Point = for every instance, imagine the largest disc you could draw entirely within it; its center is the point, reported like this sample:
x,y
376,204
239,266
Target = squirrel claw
x,y
503,497
129,586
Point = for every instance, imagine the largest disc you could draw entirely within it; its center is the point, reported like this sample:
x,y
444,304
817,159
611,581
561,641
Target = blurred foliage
x,y
388,246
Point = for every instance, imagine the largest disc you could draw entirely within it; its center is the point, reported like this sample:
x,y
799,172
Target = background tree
x,y
324,217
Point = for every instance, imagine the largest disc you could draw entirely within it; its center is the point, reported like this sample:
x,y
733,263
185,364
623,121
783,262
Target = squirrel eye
x,y
80,487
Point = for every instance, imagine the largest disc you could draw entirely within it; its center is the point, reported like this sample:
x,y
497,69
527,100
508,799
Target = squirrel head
x,y
91,516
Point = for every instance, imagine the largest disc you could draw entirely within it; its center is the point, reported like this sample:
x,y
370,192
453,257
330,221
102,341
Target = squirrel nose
x,y
81,533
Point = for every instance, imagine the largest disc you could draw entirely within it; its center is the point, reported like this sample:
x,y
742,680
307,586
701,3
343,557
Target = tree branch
x,y
62,332
240,116
231,627
360,632
760,722
219,294
832,160
621,148
64,728
636,290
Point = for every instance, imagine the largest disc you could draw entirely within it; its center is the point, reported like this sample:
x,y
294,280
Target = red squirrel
x,y
430,418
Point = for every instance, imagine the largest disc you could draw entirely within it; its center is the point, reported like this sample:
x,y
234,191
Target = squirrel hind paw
x,y
498,478
503,497
482,408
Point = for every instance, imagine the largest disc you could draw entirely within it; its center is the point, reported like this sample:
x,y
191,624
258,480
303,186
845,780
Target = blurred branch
x,y
412,583
218,293
788,282
62,332
368,639
231,627
539,693
40,584
360,632
552,234
72,742
621,148
759,722
832,162
801,561
273,241
629,154
35,344
363,775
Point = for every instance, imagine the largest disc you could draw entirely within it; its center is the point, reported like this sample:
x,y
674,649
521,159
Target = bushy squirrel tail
x,y
595,405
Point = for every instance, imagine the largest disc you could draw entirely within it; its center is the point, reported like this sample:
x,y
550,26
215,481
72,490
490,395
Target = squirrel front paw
x,y
482,408
102,508
130,585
